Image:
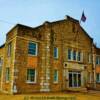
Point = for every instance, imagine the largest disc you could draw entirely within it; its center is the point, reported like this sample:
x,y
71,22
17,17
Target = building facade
x,y
56,56
97,67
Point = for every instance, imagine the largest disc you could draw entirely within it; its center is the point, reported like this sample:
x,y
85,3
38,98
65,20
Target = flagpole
x,y
80,22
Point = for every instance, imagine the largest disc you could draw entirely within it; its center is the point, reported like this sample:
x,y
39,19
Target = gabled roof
x,y
72,20
86,32
19,25
50,23
77,21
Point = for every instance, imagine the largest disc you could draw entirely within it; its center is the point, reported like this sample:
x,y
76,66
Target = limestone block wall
x,y
2,52
71,35
62,34
8,63
23,61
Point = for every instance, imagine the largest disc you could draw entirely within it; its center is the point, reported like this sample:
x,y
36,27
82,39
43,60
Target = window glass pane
x,y
1,61
74,55
79,56
70,80
7,74
31,75
32,48
75,79
69,54
97,77
55,75
79,80
96,60
55,52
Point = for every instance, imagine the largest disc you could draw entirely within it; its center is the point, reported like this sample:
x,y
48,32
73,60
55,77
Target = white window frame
x,y
98,56
77,73
32,82
36,48
72,56
55,82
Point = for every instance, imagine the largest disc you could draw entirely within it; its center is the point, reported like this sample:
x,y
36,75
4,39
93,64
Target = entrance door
x,y
74,79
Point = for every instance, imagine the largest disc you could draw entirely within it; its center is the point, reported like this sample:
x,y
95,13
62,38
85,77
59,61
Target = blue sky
x,y
35,12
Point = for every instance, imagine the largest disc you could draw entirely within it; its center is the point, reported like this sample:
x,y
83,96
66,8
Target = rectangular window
x,y
97,60
79,56
89,58
55,52
1,61
74,55
55,76
31,75
32,49
7,74
98,77
69,54
9,50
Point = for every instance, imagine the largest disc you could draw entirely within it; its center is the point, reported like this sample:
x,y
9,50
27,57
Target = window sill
x,y
32,55
55,82
75,61
28,82
98,82
7,82
98,64
56,58
73,87
89,63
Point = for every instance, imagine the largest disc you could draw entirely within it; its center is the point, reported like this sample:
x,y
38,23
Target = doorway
x,y
74,79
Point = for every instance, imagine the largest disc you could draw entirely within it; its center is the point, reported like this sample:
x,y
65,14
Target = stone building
x,y
55,56
97,67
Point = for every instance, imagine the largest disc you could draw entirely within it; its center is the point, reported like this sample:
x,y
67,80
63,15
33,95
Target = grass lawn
x,y
52,96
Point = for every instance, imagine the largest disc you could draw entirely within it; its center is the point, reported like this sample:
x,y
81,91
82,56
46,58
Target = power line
x,y
7,22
